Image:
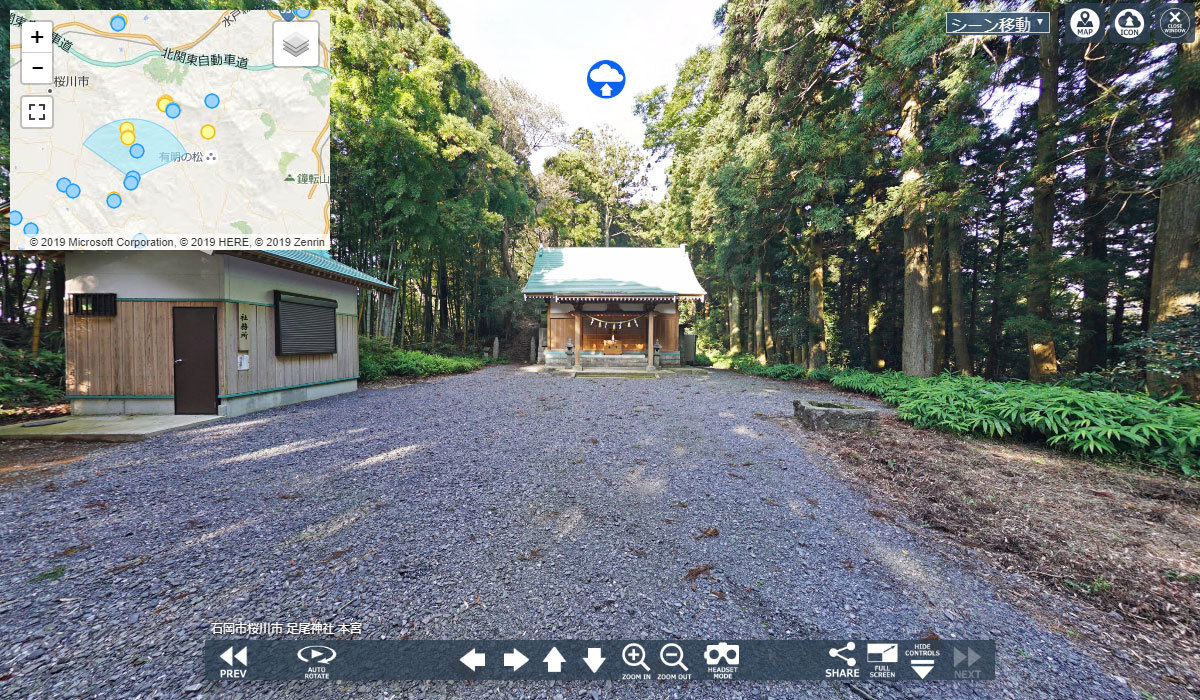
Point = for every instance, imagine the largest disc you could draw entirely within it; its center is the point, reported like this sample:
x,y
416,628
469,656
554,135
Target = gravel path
x,y
413,511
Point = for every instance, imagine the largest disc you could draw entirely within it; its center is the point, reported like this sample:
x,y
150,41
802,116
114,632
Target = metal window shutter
x,y
305,325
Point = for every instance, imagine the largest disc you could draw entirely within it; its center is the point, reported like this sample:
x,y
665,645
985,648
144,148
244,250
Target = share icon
x,y
850,660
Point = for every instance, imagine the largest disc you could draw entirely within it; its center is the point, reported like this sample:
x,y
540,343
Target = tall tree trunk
x,y
735,318
991,364
506,252
817,357
760,331
1093,312
607,226
1118,328
1175,280
443,299
1043,360
39,315
58,293
427,291
916,358
875,308
958,324
767,332
938,292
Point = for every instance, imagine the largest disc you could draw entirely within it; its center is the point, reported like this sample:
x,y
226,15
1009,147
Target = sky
x,y
549,45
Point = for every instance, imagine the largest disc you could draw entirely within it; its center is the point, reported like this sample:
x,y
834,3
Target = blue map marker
x,y
606,79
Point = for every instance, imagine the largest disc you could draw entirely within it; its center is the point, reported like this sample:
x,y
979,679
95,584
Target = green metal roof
x,y
583,271
321,260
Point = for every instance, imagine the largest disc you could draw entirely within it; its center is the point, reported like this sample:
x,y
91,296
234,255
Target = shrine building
x,y
612,307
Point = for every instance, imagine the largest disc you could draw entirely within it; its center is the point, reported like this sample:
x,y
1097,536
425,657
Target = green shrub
x,y
26,379
378,358
1088,422
703,360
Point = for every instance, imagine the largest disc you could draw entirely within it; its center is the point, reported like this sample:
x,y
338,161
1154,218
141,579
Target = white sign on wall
x,y
243,362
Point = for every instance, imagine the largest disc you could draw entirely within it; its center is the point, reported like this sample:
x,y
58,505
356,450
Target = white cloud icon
x,y
605,73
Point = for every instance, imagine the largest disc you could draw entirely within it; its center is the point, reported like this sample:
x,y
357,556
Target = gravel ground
x,y
413,510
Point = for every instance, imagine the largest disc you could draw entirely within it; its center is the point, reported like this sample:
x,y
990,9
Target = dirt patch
x,y
26,462
393,382
1124,544
20,414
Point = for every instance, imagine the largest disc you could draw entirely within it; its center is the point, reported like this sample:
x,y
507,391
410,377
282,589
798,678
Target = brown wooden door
x,y
195,358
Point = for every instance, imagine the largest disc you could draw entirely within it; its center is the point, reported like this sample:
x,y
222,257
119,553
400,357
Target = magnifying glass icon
x,y
672,655
634,655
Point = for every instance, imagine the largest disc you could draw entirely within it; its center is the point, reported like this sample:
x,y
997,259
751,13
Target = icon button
x,y
515,659
672,655
606,79
850,660
1085,22
1176,23
594,659
554,661
316,654
882,653
37,111
228,656
37,37
634,654
1128,24
922,667
37,68
971,657
296,43
722,653
474,660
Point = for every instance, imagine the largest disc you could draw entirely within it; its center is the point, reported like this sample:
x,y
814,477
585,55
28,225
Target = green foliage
x,y
378,358
747,364
26,379
1149,430
703,360
1172,347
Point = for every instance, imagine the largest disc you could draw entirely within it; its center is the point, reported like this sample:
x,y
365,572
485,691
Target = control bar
x,y
606,660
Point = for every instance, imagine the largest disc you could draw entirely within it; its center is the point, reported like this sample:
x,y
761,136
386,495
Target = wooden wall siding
x,y
129,354
666,331
267,371
561,329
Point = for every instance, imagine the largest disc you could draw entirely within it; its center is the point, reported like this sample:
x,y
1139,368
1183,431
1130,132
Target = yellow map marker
x,y
128,138
163,102
126,126
208,131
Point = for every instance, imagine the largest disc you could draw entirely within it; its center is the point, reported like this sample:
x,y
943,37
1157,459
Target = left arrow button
x,y
474,660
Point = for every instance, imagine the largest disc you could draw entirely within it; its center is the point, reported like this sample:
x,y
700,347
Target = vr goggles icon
x,y
722,653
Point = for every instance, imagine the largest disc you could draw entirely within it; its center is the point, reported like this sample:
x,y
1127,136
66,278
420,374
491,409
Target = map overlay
x,y
169,129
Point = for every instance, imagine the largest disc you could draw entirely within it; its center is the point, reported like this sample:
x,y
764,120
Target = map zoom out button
x,y
37,68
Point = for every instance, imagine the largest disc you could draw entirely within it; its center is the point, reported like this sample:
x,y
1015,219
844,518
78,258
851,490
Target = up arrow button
x,y
554,661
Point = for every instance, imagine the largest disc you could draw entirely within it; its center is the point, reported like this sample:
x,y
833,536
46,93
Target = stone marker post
x,y
495,347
